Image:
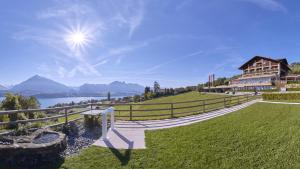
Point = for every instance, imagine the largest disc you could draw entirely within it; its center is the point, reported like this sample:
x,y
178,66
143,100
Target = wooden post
x,y
172,110
203,104
66,116
130,112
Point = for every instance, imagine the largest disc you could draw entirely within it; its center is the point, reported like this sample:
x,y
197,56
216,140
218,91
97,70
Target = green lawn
x,y
191,96
260,136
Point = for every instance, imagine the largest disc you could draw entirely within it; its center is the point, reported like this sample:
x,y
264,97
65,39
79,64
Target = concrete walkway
x,y
131,135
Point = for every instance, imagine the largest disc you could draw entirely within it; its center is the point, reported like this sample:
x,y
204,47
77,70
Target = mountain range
x,y
42,87
2,87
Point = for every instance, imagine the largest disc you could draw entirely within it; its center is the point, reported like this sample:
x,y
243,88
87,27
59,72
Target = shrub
x,y
281,96
293,82
293,89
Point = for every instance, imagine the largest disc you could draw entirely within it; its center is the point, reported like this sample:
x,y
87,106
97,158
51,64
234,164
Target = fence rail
x,y
132,111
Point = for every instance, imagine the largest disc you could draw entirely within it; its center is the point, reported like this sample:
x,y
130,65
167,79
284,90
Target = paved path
x,y
131,135
279,102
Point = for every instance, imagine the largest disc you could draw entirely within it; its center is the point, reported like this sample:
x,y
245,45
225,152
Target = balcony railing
x,y
258,73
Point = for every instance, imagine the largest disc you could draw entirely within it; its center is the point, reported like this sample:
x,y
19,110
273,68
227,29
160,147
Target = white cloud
x,y
273,5
128,13
119,60
100,63
119,52
63,11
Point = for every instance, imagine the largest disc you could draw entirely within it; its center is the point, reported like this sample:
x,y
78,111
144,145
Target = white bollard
x,y
104,126
104,122
112,117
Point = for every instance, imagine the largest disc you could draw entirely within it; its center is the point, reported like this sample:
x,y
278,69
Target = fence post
x,y
172,110
203,104
91,106
131,112
66,116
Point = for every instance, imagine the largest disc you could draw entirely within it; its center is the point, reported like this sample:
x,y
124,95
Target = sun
x,y
77,38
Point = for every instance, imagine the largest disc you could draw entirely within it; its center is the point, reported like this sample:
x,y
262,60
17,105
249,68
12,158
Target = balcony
x,y
260,73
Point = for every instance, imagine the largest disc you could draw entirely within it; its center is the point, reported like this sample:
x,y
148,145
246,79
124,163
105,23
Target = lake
x,y
46,102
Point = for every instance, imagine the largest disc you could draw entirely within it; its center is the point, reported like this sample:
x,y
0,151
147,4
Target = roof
x,y
283,61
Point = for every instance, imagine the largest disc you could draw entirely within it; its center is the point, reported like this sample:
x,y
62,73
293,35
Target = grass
x,y
162,114
260,136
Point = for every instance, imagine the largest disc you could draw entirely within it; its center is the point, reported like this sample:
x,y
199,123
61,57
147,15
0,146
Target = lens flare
x,y
78,39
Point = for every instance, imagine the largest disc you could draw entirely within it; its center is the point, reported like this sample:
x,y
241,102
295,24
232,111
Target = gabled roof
x,y
283,61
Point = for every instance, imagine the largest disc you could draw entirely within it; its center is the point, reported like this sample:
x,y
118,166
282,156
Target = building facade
x,y
261,73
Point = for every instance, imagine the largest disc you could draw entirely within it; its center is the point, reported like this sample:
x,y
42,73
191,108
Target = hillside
x,y
2,87
114,88
295,68
190,96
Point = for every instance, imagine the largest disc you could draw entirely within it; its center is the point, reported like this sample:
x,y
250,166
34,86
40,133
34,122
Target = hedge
x,y
281,96
293,89
269,90
293,82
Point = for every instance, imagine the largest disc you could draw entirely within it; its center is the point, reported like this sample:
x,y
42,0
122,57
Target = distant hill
x,y
2,87
295,68
40,85
115,88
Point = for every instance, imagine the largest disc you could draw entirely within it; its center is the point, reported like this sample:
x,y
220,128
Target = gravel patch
x,y
80,137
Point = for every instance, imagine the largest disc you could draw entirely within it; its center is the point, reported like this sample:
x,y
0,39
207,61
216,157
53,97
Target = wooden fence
x,y
131,111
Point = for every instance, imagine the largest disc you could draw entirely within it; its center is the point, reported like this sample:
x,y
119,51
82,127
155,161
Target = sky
x,y
174,42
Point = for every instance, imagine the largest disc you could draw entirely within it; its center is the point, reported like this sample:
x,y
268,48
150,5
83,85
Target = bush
x,y
281,96
293,82
293,89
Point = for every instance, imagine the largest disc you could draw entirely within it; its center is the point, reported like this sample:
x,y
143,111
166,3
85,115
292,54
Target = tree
x,y
108,96
29,103
295,68
172,92
11,102
156,87
200,87
136,98
147,90
16,102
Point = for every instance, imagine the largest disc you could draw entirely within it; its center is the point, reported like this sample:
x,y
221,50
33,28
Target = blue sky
x,y
176,42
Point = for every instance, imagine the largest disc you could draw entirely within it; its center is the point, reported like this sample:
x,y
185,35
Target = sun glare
x,y
78,38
